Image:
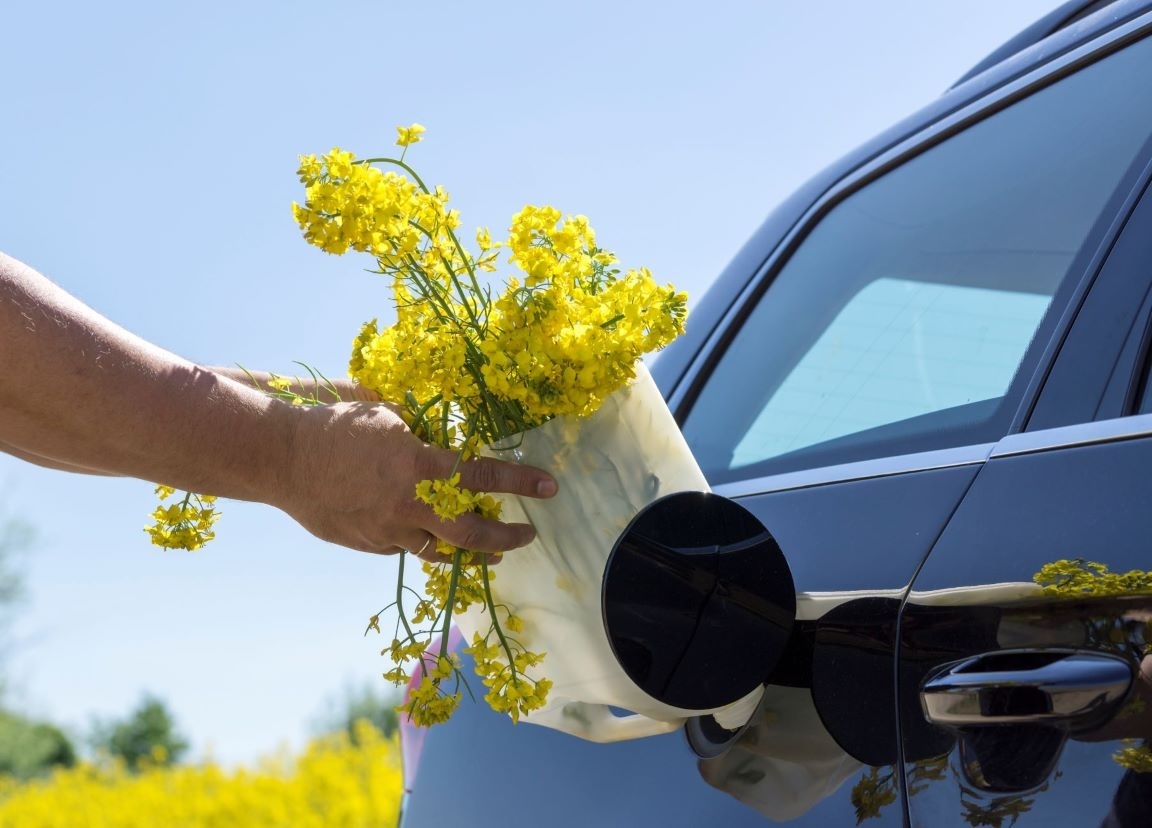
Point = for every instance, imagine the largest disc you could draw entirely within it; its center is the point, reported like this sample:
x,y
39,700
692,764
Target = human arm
x,y
318,388
80,392
313,388
325,391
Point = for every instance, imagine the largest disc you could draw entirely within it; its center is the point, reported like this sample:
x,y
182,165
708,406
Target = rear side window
x,y
898,349
901,321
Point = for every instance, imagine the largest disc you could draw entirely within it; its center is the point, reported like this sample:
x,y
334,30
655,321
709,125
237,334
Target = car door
x,y
1024,669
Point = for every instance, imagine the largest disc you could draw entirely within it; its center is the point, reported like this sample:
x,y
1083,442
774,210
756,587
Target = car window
x,y
898,349
902,320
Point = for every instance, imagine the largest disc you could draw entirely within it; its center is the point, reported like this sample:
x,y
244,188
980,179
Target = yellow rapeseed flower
x,y
409,135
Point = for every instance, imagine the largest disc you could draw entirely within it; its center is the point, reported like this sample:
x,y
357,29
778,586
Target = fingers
x,y
426,550
472,532
485,474
424,544
368,501
439,551
381,539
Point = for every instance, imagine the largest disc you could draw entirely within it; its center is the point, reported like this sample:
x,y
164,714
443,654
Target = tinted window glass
x,y
898,349
900,322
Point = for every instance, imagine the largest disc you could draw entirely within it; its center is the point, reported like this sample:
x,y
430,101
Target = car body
x,y
927,375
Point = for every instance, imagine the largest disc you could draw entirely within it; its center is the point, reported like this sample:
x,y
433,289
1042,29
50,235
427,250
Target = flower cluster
x,y
562,336
184,525
448,500
472,366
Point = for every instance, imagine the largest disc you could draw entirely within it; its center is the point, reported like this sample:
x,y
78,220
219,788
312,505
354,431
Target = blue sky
x,y
147,163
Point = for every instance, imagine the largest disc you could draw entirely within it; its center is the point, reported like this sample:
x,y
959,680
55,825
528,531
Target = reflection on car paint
x,y
879,789
1080,607
1077,578
810,738
785,762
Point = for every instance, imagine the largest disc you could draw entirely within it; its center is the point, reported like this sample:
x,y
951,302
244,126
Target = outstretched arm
x,y
324,390
79,392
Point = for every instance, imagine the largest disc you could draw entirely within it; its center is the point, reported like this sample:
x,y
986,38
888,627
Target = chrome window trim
x,y
1014,445
920,141
1081,434
860,470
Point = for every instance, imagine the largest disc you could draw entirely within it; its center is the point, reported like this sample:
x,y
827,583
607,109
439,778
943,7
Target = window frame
x,y
1098,370
1041,354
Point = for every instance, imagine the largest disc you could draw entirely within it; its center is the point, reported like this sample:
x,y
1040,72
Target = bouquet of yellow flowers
x,y
473,365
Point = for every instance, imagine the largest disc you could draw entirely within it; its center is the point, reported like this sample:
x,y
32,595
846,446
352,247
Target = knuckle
x,y
486,475
431,463
474,540
475,536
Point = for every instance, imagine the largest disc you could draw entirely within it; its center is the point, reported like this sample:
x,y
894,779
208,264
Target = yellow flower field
x,y
336,782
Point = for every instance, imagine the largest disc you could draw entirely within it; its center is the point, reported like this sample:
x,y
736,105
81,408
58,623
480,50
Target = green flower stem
x,y
399,162
428,292
450,602
421,411
400,605
465,298
503,422
491,604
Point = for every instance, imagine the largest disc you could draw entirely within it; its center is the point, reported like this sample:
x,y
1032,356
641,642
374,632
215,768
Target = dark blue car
x,y
927,374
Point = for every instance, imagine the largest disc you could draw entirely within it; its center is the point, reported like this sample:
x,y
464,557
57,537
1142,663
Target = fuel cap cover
x,y
698,601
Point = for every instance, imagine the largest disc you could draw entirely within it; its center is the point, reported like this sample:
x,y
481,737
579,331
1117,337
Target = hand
x,y
353,474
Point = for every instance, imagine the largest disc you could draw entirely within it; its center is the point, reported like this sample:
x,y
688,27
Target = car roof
x,y
1060,18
